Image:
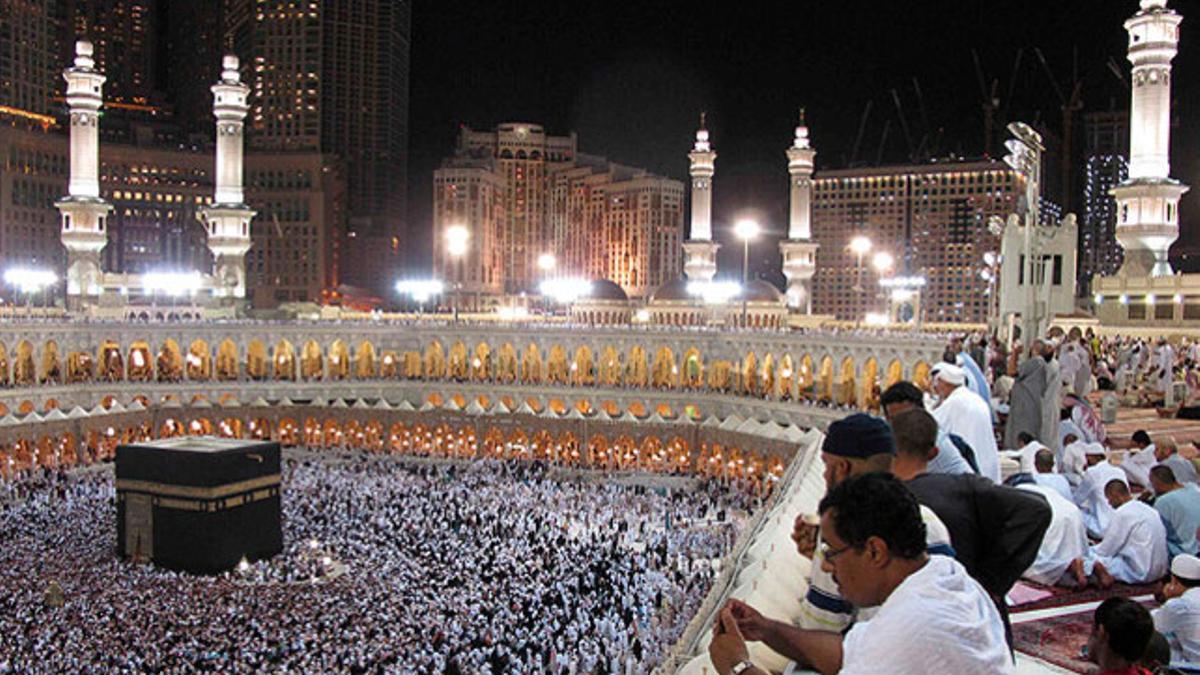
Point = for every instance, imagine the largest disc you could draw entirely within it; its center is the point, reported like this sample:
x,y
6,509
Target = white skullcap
x,y
1186,566
1095,449
949,373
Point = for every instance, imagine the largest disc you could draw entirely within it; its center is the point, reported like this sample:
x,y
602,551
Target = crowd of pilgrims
x,y
482,567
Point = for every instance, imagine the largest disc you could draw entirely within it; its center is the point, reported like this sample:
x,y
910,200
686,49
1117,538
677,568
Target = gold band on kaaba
x,y
189,492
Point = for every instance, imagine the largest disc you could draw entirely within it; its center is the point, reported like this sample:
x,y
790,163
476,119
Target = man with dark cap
x,y
856,445
996,531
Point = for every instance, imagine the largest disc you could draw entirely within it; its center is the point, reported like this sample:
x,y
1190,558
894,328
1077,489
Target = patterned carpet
x,y
1064,597
1057,640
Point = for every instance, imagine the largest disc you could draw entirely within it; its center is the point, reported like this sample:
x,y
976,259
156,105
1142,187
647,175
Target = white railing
x,y
687,647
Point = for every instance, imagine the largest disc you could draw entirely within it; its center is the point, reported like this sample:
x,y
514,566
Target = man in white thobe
x,y
1139,459
1167,452
1089,496
1074,459
963,413
1064,541
1070,361
1179,617
1164,366
1025,455
1134,547
931,616
1046,476
1052,401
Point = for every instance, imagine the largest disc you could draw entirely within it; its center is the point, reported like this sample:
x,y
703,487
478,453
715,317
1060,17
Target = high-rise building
x,y
931,218
469,192
333,77
300,198
124,34
29,63
197,33
1106,165
519,154
522,193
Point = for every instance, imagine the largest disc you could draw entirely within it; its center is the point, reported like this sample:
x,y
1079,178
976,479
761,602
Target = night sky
x,y
632,77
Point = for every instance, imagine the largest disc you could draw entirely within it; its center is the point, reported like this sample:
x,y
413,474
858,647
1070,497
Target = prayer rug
x,y
1056,640
1062,597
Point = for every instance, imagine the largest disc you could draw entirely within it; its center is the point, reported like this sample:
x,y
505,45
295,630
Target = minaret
x,y
799,250
227,219
83,211
1148,202
700,251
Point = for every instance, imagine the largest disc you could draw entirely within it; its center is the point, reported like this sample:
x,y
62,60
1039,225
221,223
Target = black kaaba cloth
x,y
198,503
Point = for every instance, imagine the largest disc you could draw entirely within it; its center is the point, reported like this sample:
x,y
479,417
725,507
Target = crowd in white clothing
x,y
388,566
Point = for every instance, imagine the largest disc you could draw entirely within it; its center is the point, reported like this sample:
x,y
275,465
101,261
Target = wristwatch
x,y
740,668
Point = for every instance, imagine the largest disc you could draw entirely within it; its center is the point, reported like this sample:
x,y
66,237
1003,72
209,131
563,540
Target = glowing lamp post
x,y
883,262
30,281
546,262
420,290
746,230
860,246
565,290
457,237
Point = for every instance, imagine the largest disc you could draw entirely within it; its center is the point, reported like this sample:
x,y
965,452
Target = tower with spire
x,y
227,219
84,211
799,250
700,251
1148,202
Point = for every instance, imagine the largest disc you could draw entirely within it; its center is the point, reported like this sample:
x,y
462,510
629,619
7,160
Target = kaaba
x,y
198,503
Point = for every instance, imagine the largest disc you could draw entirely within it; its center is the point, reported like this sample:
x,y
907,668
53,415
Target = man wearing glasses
x,y
932,616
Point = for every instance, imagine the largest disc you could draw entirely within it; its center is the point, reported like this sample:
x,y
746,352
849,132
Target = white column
x,y
83,210
1153,43
799,250
700,252
1148,203
230,109
84,98
800,169
703,166
227,219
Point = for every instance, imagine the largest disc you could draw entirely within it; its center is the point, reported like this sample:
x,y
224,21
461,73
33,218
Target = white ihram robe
x,y
1090,499
1064,541
1134,548
965,414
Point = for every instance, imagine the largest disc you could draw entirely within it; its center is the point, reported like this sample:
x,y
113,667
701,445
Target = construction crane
x,y
1115,69
862,127
1069,107
989,101
887,126
904,126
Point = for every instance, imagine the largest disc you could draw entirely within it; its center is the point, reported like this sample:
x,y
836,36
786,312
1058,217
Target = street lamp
x,y
883,262
746,230
456,245
991,274
420,290
860,246
29,281
1025,156
546,262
